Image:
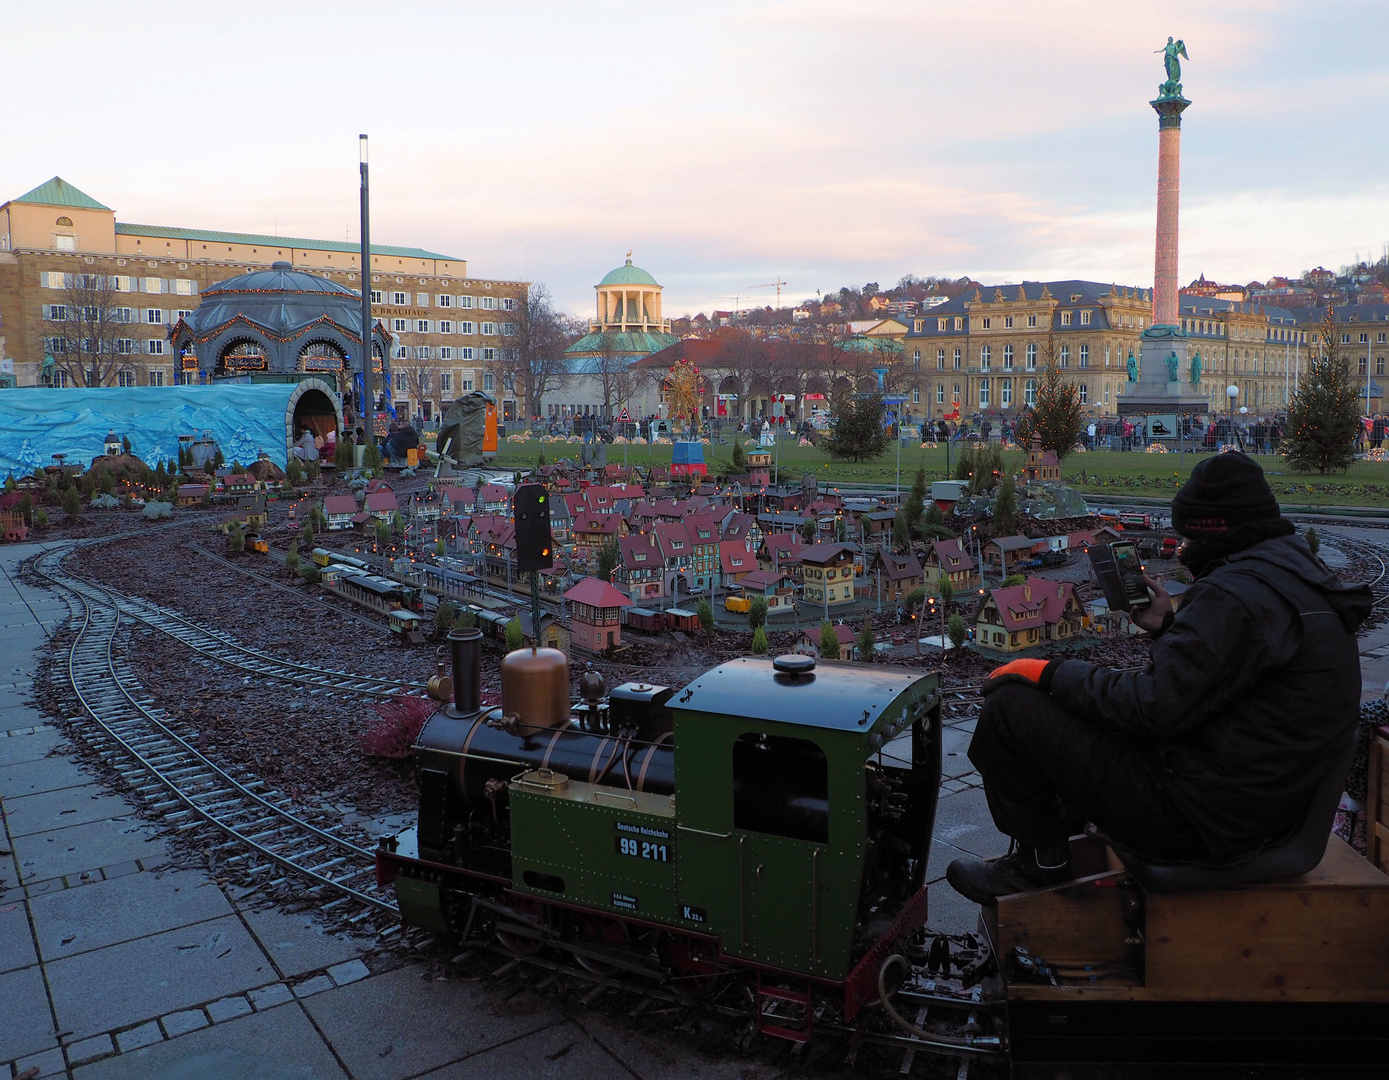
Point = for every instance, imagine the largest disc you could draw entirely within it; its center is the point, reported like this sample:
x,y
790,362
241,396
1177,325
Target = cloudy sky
x,y
726,144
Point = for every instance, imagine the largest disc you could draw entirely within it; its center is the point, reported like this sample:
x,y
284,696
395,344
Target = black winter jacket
x,y
1248,697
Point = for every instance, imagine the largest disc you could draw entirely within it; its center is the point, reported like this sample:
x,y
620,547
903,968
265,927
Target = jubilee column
x,y
1169,191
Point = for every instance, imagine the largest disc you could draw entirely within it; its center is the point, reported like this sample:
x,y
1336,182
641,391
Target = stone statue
x,y
1133,367
1173,86
1196,369
1172,367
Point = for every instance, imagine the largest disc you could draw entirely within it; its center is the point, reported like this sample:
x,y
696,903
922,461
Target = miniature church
x,y
1041,466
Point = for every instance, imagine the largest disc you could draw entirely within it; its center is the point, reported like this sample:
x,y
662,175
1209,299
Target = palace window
x,y
1065,318
1345,339
940,394
956,397
1029,392
987,323
1065,356
1085,356
1005,393
1031,361
1379,365
1032,322
940,323
916,395
1085,318
983,393
1364,366
1008,322
1007,358
916,359
959,323
1085,393
940,359
957,359
983,358
1364,339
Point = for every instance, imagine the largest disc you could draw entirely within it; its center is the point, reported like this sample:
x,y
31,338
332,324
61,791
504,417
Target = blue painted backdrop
x,y
36,423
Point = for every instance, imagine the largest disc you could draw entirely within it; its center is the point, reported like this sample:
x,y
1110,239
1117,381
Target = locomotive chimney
x,y
466,649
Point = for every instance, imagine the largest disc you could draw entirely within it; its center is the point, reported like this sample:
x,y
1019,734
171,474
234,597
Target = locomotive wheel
x,y
696,971
596,930
519,944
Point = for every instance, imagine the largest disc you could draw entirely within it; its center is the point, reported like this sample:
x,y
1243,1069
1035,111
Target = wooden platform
x,y
1322,937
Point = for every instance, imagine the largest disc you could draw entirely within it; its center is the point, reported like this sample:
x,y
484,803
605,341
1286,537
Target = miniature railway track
x,y
298,594
219,646
191,793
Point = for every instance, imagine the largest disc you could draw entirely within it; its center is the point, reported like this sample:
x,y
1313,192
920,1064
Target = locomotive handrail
x,y
614,795
705,832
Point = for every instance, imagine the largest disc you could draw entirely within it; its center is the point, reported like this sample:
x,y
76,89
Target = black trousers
x,y
1047,773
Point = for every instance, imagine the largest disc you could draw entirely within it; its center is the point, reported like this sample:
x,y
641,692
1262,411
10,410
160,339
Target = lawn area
x,y
1099,472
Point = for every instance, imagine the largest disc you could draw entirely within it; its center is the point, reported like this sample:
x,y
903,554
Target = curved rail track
x,y
219,646
152,751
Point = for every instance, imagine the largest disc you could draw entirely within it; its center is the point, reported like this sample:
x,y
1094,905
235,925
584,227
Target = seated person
x,y
401,438
1251,693
304,449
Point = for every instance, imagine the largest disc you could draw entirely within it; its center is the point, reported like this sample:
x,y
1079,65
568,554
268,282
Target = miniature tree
x,y
914,600
915,508
397,522
342,456
829,641
10,484
901,532
515,636
72,502
314,470
26,508
945,591
759,641
107,482
295,472
236,541
1012,579
865,641
1006,507
444,616
740,458
608,558
383,534
311,574
809,528
1313,540
307,534
956,630
439,548
292,561
757,611
465,620
125,444
705,611
40,518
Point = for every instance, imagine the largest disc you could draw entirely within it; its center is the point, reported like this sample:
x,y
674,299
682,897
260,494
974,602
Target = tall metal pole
x,y
368,391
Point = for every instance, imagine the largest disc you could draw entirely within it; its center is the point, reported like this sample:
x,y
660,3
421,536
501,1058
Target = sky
x,y
727,145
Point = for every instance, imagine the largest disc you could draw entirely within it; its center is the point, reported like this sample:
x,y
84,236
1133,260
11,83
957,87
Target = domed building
x,y
279,321
628,325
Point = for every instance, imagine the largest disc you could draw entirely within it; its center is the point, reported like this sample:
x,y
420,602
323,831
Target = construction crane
x,y
777,284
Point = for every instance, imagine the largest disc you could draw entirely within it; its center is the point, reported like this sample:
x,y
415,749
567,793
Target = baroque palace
x,y
983,351
59,246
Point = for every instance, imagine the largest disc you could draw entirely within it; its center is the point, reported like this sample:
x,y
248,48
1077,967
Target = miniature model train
x,y
762,835
788,838
369,590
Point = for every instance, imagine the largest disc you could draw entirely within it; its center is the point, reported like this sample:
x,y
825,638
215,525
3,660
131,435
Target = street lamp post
x,y
1232,392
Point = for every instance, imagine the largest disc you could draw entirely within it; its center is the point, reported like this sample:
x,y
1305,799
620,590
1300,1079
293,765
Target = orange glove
x,y
1032,672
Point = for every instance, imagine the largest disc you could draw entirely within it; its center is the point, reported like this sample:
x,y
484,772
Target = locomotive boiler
x,y
772,816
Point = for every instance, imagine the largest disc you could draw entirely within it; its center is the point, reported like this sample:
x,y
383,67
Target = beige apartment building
x,y
449,330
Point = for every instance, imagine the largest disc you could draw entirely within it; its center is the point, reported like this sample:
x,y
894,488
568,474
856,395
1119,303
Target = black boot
x,y
1023,869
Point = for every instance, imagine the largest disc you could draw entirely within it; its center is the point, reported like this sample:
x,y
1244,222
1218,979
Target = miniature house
x,y
597,614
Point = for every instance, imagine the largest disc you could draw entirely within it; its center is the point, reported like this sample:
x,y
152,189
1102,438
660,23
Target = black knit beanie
x,y
1224,492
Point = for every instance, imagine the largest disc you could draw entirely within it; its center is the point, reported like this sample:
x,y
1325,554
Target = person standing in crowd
x,y
1377,432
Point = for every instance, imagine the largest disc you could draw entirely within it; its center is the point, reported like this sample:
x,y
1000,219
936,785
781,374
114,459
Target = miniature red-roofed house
x,y
382,505
896,575
1026,615
339,510
759,468
597,614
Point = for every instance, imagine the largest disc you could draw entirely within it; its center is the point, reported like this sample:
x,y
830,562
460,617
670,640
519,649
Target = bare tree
x,y
90,333
532,359
614,373
416,378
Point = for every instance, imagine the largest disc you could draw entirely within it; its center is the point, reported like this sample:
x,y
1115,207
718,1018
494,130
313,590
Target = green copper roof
x,y
629,275
214,237
633,343
58,192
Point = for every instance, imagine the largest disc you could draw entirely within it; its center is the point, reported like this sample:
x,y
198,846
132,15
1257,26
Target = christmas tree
x,y
1324,415
1056,416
